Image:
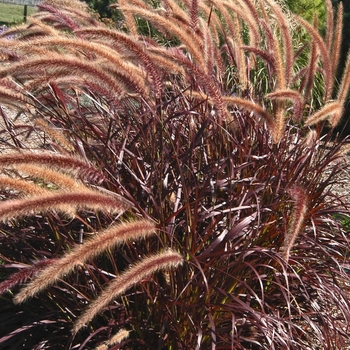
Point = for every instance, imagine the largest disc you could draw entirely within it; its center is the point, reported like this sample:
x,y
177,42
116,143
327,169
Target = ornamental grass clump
x,y
175,182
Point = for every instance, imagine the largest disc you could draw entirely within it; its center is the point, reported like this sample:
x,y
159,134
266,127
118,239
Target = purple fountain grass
x,y
278,63
209,51
101,242
115,339
244,12
325,55
12,98
309,79
54,160
65,18
72,9
54,134
70,5
345,82
329,23
249,106
58,63
288,55
296,98
217,140
227,20
162,261
22,186
299,210
164,58
131,45
243,73
173,7
48,30
191,41
213,21
337,40
42,175
194,11
126,70
67,202
334,109
23,275
268,57
129,18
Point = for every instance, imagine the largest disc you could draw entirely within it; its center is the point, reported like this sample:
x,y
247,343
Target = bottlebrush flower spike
x,y
134,275
107,239
297,219
65,202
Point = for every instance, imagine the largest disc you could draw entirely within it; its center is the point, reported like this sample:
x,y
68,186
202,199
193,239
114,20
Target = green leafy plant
x,y
197,146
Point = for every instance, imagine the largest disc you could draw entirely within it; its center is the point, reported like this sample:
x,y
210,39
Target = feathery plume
x,y
252,10
21,185
337,41
279,121
327,67
335,118
294,96
12,31
225,15
212,20
194,15
58,63
22,275
47,175
128,18
334,109
131,45
84,16
259,52
311,72
298,216
66,202
245,14
66,80
57,161
56,135
164,58
310,139
192,43
12,98
125,69
263,17
115,339
176,11
249,106
208,47
102,241
279,69
287,40
345,82
211,87
67,4
61,16
128,279
241,59
49,30
329,23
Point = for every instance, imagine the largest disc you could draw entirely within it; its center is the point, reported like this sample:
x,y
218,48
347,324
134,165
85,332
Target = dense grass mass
x,y
169,181
13,14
